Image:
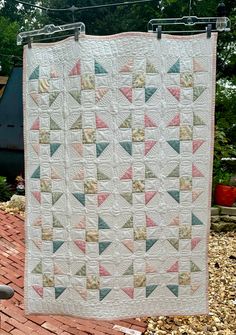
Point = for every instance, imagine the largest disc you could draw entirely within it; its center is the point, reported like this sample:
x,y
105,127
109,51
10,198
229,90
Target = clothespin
x,y
208,30
76,34
159,31
29,42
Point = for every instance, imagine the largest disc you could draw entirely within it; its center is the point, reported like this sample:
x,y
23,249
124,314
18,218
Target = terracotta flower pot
x,y
225,195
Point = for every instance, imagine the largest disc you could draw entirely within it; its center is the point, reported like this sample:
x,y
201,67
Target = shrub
x,y
5,189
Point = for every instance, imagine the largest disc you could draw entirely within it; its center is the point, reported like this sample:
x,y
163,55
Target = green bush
x,y
5,189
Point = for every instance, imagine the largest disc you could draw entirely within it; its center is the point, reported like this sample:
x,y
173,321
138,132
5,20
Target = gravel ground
x,y
222,289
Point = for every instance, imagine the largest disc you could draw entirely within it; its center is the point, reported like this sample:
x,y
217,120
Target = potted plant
x,y
225,194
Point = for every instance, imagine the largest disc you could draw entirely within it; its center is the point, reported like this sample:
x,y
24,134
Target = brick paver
x,y
13,319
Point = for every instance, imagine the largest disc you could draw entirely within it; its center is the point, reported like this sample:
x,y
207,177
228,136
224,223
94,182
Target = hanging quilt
x,y
118,161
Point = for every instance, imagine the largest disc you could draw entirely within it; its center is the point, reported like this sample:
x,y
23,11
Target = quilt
x,y
118,162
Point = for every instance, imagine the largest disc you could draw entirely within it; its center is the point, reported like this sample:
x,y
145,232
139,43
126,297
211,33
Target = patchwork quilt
x,y
118,161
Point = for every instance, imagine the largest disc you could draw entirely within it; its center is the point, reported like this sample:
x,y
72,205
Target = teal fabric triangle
x,y
174,289
54,147
175,172
52,97
175,68
59,291
56,223
129,271
196,221
103,292
100,147
150,289
99,69
149,91
57,245
34,74
36,174
76,95
103,246
82,271
128,223
127,146
102,224
175,144
56,196
150,242
54,125
38,268
174,194
80,197
174,242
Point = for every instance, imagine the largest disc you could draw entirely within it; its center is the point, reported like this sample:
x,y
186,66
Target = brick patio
x,y
13,320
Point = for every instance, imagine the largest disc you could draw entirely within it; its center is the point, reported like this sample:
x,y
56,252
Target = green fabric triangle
x,y
54,125
56,223
175,172
59,291
103,292
127,123
56,196
194,267
150,289
100,147
128,223
149,91
197,91
175,144
197,121
36,174
54,147
103,246
52,97
127,146
102,176
129,271
102,224
34,74
38,268
76,95
99,69
174,242
128,197
196,221
57,245
174,289
175,68
150,242
149,173
80,197
175,195
150,68
77,124
82,271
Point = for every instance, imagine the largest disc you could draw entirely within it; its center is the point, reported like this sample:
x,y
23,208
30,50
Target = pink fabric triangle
x,y
194,288
197,66
36,148
78,148
129,291
150,268
38,289
127,67
194,242
79,175
82,291
129,244
38,243
82,223
75,71
195,195
148,122
54,74
103,271
54,174
197,144
102,197
100,92
35,97
174,267
37,196
57,270
38,221
196,172
148,146
127,92
128,174
100,123
81,245
149,195
35,125
175,121
150,222
175,91
174,221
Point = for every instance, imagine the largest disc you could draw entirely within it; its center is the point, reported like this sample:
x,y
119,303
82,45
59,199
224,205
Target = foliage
x,y
5,189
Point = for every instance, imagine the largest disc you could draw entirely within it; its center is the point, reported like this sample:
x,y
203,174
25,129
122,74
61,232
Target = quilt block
x,y
118,152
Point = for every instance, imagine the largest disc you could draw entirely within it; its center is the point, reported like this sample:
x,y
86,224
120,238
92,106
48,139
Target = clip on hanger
x,y
78,27
208,24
